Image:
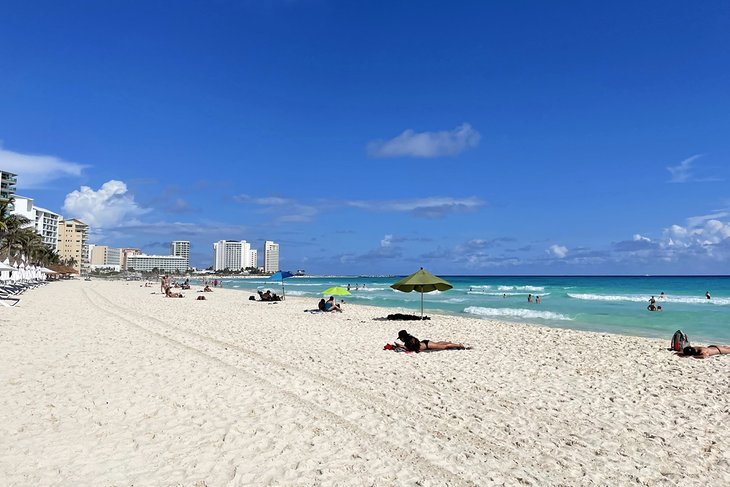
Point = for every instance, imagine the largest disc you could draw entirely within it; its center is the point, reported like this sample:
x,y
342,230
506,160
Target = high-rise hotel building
x,y
271,257
44,222
125,253
8,181
72,243
231,255
103,257
181,248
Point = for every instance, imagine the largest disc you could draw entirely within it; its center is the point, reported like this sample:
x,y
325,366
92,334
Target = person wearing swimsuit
x,y
704,352
413,344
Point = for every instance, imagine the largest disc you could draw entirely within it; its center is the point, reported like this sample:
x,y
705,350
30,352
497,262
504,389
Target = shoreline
x,y
553,318
109,384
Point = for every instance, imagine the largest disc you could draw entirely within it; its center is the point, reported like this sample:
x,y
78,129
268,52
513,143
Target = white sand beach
x,y
107,384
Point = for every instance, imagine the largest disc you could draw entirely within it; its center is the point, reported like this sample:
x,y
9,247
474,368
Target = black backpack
x,y
679,341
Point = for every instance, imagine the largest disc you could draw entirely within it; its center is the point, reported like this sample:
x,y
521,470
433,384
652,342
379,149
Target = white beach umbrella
x,y
5,271
45,271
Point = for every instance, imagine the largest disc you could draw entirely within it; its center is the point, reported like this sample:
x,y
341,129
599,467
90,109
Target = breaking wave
x,y
643,299
516,313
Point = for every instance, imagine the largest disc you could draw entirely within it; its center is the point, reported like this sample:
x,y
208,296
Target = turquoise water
x,y
606,304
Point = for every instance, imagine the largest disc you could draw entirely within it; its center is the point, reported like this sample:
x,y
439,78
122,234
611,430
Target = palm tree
x,y
13,236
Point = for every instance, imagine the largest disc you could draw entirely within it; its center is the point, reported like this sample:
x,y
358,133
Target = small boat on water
x,y
300,272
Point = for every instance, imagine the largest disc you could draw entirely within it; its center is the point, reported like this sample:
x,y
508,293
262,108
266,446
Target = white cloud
x,y
433,207
558,251
285,210
109,206
641,238
34,171
683,172
697,221
387,241
427,144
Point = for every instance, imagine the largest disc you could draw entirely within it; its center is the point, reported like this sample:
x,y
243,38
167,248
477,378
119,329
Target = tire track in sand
x,y
277,377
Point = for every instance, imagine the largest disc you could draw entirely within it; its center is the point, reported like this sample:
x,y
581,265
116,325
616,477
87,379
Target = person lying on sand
x,y
704,352
170,294
413,344
207,289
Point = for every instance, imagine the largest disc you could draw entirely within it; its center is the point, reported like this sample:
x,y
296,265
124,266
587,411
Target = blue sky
x,y
377,137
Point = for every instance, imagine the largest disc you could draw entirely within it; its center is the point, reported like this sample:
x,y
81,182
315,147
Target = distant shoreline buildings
x,y
69,238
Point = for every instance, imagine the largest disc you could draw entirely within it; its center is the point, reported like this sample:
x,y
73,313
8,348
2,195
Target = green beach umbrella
x,y
336,291
423,282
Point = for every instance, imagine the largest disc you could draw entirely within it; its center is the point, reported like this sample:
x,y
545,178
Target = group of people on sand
x,y
329,306
269,296
166,285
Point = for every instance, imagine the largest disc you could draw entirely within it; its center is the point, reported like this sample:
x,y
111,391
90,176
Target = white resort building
x,y
125,253
232,255
271,257
181,248
8,182
44,222
103,257
163,263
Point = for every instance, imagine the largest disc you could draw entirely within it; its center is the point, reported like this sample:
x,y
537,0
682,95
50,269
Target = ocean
x,y
594,303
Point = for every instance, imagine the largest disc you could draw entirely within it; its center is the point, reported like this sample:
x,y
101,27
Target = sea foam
x,y
645,299
516,313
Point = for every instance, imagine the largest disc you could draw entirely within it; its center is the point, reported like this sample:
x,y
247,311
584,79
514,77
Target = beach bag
x,y
679,341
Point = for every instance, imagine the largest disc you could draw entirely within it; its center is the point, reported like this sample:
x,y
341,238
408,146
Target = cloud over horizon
x,y
107,207
559,251
431,207
34,170
427,144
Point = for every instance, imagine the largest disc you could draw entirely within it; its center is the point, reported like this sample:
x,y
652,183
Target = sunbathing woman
x,y
413,344
704,352
170,294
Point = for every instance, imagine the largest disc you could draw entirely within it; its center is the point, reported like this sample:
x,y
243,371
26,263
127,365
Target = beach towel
x,y
404,317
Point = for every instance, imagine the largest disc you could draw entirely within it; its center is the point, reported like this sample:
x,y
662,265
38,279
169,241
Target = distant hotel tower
x,y
181,248
233,255
8,181
44,222
72,243
271,256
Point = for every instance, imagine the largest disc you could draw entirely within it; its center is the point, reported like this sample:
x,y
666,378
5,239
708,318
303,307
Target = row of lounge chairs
x,y
9,291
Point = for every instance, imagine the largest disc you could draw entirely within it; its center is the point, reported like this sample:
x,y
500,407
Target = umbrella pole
x,y
421,304
283,294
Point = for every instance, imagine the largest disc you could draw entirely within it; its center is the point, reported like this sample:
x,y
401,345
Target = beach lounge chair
x,y
5,298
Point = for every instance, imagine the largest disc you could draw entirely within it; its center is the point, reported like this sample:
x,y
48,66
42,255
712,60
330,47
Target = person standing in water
x,y
707,295
529,298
